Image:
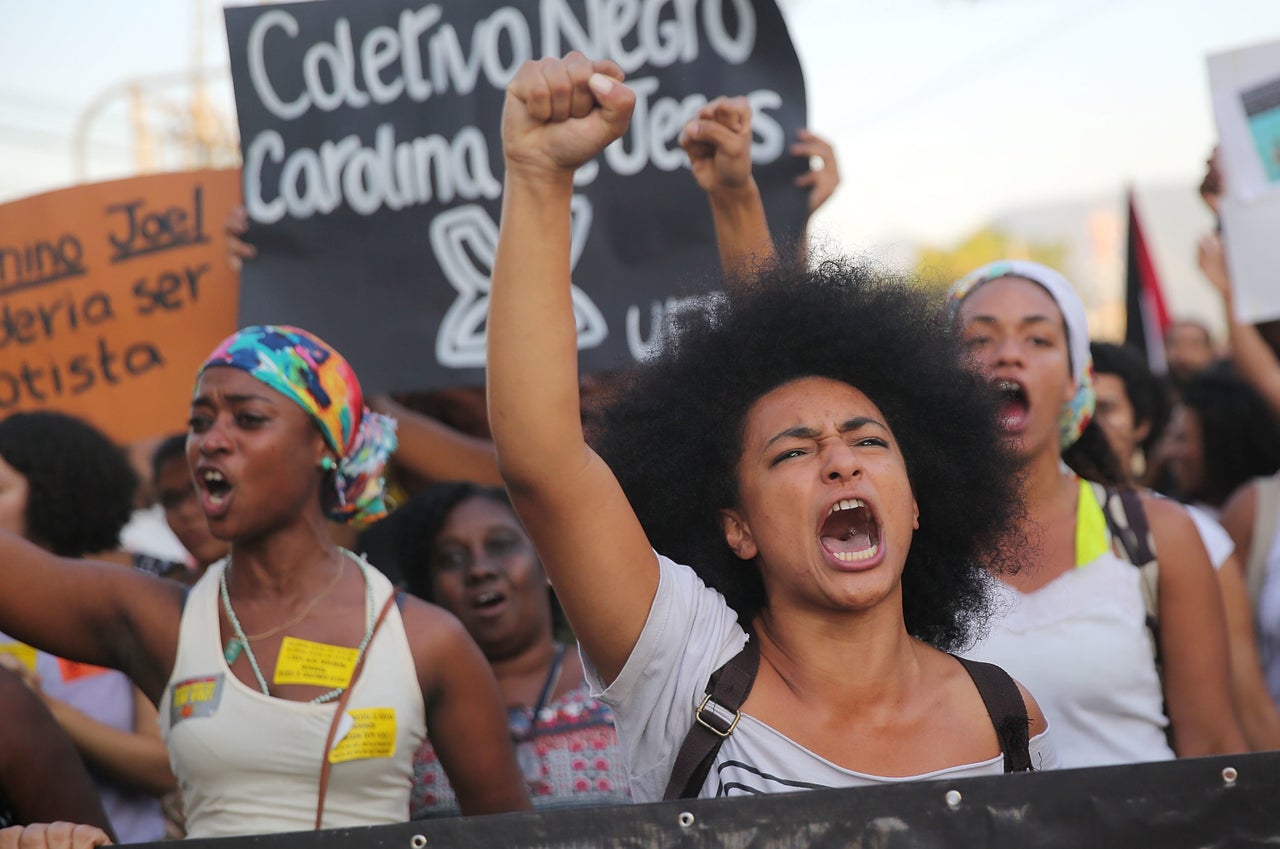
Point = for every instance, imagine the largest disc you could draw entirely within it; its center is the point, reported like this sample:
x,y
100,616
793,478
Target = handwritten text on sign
x,y
111,295
373,166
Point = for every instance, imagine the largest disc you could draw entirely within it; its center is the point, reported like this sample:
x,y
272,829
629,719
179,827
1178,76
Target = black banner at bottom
x,y
1200,802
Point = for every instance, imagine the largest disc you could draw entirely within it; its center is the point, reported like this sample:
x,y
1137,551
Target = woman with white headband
x,y
1125,672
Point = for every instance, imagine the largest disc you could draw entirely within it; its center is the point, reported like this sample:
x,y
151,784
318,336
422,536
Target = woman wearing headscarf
x,y
294,685
1125,672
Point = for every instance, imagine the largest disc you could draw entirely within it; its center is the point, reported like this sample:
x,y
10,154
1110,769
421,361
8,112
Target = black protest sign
x,y
373,166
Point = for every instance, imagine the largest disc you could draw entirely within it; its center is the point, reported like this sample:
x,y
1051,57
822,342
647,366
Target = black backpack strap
x,y
1007,710
1135,534
1129,525
716,718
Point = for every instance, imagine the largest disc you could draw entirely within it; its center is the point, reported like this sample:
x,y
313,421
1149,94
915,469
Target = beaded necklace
x,y
232,649
243,641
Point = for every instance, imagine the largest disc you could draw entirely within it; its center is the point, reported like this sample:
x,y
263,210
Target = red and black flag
x,y
1147,318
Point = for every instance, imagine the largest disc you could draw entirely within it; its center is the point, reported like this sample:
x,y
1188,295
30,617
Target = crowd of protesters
x,y
876,512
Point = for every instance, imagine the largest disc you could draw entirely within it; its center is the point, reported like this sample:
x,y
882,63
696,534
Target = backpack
x,y
1131,539
718,714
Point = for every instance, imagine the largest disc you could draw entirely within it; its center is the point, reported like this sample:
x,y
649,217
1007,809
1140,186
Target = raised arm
x,y
1193,638
1251,354
718,142
436,451
91,612
559,114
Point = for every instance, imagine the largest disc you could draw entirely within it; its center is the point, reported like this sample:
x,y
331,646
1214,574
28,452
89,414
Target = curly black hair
x,y
172,447
80,486
420,520
1092,458
1240,436
407,536
1145,392
674,433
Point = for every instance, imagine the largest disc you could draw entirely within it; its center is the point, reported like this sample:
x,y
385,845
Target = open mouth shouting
x,y
1014,406
215,490
850,533
489,602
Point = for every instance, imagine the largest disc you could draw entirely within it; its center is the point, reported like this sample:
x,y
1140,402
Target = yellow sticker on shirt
x,y
318,664
372,735
22,652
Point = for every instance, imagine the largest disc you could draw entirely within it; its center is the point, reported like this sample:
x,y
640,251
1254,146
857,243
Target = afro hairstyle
x,y
1145,393
674,433
1240,436
80,486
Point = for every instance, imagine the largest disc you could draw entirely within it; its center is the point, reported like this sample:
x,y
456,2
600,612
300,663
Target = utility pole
x,y
169,130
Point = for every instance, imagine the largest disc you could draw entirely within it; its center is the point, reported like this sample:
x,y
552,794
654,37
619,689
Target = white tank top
x,y
250,764
1081,646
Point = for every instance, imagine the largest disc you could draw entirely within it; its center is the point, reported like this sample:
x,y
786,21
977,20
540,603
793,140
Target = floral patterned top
x,y
570,758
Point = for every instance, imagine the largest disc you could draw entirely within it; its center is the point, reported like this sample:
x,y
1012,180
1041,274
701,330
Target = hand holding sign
x,y
1213,264
821,182
561,112
236,226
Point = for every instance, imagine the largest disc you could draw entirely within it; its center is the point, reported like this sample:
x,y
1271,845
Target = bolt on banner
x,y
373,167
111,295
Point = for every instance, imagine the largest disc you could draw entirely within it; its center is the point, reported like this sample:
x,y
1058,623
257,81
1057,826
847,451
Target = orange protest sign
x,y
111,295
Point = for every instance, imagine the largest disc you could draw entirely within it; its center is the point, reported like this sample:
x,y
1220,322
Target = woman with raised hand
x,y
293,660
834,516
1125,672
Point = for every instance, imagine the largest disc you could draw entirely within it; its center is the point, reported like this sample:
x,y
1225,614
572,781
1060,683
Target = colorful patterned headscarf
x,y
318,379
1077,413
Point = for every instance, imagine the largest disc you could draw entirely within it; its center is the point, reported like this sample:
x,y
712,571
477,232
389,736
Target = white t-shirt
x,y
147,532
1215,537
690,633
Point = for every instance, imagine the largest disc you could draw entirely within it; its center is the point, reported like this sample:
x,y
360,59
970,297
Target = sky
x,y
948,112
945,114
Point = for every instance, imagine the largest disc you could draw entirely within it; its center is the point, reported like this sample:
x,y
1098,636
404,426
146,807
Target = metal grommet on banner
x,y
953,799
685,819
1229,775
418,841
